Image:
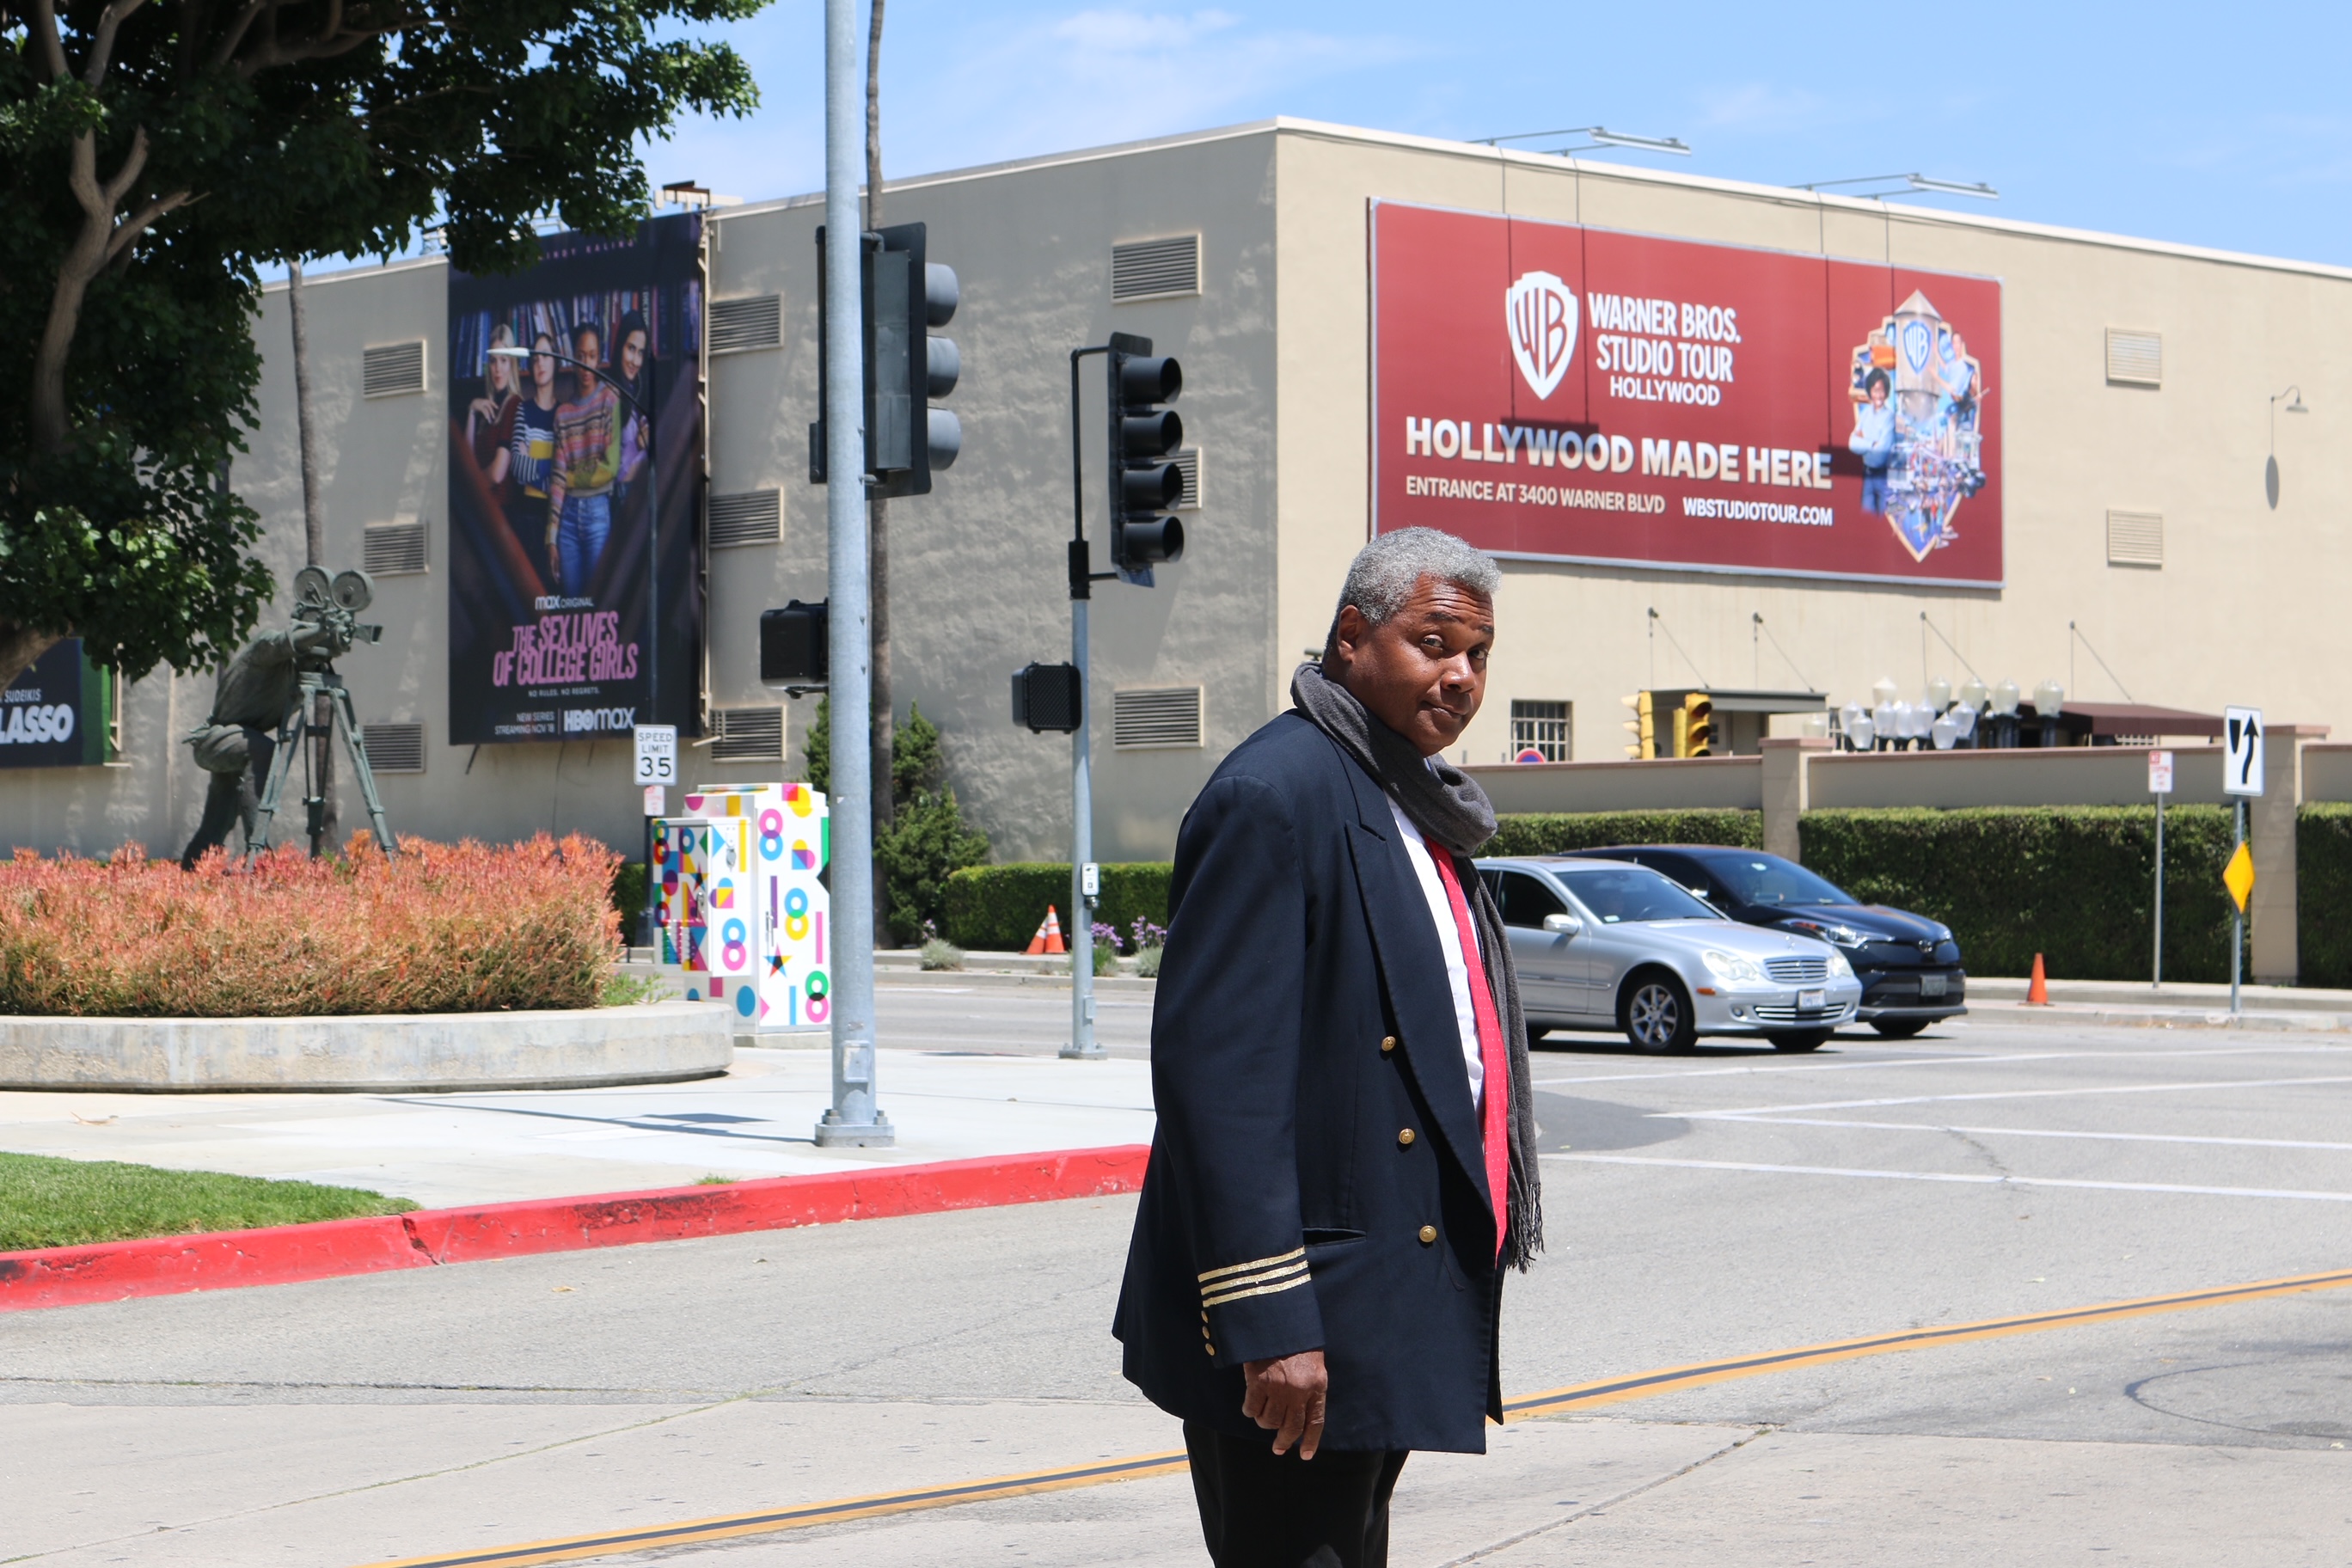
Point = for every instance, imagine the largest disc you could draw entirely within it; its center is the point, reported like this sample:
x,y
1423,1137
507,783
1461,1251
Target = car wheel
x,y
1898,1029
1655,1014
1800,1040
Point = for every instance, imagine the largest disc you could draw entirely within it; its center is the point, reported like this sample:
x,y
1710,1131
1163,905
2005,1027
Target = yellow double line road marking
x,y
1554,1402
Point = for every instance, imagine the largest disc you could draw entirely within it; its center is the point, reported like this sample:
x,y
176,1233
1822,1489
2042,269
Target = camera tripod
x,y
297,731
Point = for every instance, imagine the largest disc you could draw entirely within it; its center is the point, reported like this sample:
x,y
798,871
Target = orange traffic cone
x,y
2037,993
1049,934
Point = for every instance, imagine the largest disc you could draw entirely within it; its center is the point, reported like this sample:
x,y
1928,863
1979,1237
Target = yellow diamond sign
x,y
2238,876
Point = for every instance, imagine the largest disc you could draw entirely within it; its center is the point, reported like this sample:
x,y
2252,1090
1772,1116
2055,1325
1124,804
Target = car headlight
x,y
1842,935
1732,969
1839,968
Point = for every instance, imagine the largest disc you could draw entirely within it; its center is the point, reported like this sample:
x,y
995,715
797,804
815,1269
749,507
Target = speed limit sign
x,y
656,754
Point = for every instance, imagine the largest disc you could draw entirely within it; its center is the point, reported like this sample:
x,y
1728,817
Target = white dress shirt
x,y
1449,941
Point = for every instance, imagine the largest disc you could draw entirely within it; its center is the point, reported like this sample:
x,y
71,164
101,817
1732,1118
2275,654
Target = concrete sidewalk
x,y
455,1149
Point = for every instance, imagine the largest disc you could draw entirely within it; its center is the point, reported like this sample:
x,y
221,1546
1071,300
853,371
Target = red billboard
x,y
1552,390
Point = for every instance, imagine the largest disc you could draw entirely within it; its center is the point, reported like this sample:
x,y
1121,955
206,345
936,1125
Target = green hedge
x,y
1558,833
629,897
2074,884
995,909
2322,891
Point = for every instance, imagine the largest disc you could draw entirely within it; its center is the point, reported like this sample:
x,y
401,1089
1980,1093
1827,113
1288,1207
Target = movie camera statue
x,y
264,703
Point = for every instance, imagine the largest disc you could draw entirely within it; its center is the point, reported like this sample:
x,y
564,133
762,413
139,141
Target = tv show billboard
x,y
60,713
1549,390
575,476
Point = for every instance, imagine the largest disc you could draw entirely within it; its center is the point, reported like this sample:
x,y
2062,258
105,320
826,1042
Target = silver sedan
x,y
1607,944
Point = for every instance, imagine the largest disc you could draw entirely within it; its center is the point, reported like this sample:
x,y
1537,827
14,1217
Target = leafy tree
x,y
926,840
153,156
816,749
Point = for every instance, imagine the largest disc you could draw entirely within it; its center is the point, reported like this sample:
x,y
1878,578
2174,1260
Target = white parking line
x,y
2041,1132
1965,1179
1742,1112
1775,1067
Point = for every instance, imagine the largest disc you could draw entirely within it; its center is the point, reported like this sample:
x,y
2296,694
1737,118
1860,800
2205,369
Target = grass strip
x,y
49,1202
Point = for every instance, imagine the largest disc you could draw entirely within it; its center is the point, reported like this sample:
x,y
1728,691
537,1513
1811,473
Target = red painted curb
x,y
283,1255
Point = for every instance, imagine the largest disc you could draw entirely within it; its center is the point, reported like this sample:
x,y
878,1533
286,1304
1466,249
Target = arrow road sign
x,y
2242,768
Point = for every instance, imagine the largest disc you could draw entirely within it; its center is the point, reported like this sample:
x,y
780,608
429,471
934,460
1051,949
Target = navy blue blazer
x,y
1315,1178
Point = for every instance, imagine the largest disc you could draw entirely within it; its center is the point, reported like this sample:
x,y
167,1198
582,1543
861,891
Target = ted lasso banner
x,y
575,475
1548,390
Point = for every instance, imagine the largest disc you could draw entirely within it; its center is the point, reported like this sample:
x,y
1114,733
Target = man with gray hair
x,y
1345,1160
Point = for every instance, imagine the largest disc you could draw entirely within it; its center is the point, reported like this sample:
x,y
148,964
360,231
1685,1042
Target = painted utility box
x,y
744,907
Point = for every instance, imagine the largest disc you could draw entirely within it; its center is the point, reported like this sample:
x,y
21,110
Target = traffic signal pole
x,y
1083,1046
854,1119
1139,434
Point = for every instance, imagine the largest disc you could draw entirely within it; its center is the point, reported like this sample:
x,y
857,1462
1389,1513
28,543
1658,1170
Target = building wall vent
x,y
1157,716
392,549
1187,463
1155,268
2134,358
753,517
754,321
2135,538
391,370
747,735
393,748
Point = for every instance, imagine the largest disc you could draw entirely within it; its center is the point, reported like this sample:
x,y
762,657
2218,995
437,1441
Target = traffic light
x,y
903,296
1643,727
1142,435
1047,696
793,649
1698,736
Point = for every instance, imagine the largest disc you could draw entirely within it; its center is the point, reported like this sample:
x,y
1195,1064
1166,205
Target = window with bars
x,y
1146,718
393,748
2134,358
1155,268
391,549
752,517
1544,728
747,735
391,370
754,321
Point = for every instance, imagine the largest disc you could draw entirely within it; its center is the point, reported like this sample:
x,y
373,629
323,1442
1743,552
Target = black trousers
x,y
1260,1511
233,799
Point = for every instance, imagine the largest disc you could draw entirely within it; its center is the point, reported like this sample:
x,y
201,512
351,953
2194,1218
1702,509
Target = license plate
x,y
1812,1001
1932,984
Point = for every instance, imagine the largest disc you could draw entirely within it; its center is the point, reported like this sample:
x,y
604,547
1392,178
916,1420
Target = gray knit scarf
x,y
1451,810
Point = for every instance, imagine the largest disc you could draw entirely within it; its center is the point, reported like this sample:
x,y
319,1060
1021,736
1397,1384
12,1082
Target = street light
x,y
2270,468
1908,185
1602,137
653,518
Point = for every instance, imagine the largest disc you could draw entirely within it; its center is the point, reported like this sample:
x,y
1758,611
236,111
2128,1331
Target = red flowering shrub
x,y
440,930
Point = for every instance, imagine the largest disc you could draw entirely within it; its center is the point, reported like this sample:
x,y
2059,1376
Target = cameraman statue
x,y
260,701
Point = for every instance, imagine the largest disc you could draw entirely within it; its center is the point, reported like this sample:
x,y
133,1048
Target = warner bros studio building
x,y
1720,435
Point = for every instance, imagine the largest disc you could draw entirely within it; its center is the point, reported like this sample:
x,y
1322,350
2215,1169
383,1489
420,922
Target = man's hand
x,y
1285,1397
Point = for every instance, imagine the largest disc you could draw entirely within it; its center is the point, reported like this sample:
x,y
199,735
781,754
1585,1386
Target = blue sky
x,y
2225,126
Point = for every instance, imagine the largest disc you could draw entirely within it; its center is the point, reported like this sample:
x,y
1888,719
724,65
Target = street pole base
x,y
875,1134
1084,1053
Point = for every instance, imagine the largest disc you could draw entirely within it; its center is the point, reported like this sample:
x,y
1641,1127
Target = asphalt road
x,y
1728,1204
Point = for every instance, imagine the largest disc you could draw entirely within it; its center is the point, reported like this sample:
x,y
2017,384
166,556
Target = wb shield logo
x,y
1543,328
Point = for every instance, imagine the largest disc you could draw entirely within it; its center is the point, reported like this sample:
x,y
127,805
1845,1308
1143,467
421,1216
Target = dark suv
x,y
1909,965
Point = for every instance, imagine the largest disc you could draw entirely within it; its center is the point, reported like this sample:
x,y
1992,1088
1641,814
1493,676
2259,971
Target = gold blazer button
x,y
1388,1044
1404,1139
1428,1234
